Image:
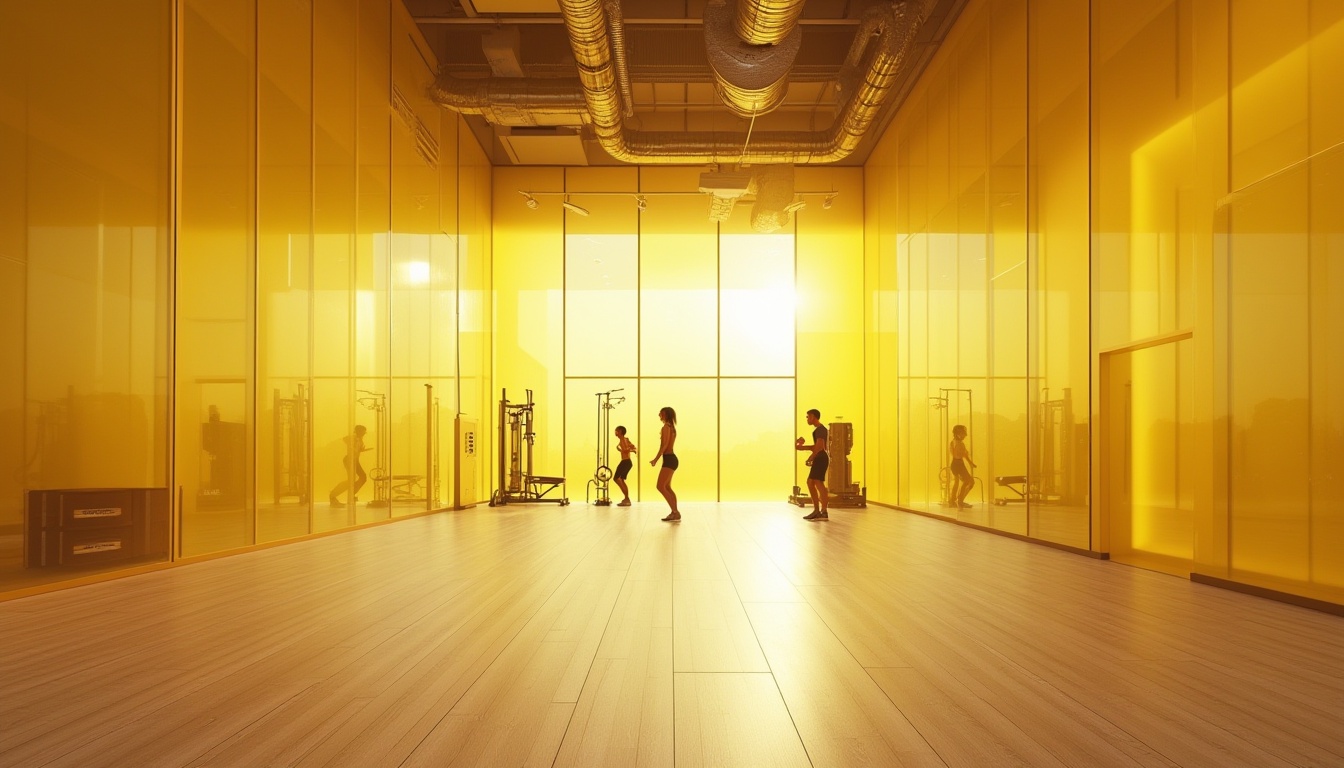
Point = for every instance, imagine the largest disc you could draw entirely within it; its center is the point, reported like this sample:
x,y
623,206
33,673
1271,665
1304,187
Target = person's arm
x,y
662,443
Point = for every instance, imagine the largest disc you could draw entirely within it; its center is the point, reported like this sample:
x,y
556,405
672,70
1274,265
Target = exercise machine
x,y
517,483
601,480
1052,472
382,481
841,489
292,472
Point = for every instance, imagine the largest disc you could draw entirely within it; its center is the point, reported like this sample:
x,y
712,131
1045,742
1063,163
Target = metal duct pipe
x,y
872,25
766,22
592,51
513,100
617,23
773,185
752,79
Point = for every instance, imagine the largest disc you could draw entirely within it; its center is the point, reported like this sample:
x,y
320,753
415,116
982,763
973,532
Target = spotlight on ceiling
x,y
796,205
641,202
828,201
573,208
530,200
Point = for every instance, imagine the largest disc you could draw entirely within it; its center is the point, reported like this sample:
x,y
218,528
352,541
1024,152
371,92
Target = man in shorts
x,y
819,461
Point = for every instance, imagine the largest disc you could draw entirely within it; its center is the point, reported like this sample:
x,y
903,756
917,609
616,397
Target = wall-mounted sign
x,y
95,547
83,514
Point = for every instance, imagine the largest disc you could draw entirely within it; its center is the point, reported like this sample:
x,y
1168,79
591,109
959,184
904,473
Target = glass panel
x,y
1270,478
373,255
284,270
423,291
696,402
1058,274
831,303
601,286
582,439
1327,369
335,38
84,222
756,305
678,281
529,290
1271,93
215,280
757,427
478,397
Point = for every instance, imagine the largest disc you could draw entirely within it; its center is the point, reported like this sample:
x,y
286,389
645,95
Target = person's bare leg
x,y
665,488
625,491
818,490
965,491
825,496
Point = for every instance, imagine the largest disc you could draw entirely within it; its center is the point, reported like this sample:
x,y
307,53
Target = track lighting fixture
x,y
796,205
574,208
530,200
641,202
828,201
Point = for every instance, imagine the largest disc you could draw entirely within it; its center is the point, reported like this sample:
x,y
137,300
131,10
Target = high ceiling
x,y
671,82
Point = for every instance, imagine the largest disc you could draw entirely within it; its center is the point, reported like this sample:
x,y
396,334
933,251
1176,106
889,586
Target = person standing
x,y
354,446
962,480
623,469
819,461
666,443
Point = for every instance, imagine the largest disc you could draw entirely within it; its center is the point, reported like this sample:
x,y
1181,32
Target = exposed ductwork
x,y
896,26
617,27
877,59
514,101
773,185
751,68
766,22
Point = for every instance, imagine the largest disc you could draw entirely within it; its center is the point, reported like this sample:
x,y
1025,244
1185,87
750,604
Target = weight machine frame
x,y
601,479
292,470
517,484
382,482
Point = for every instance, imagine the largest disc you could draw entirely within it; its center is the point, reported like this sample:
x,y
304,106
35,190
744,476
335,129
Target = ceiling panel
x,y
514,6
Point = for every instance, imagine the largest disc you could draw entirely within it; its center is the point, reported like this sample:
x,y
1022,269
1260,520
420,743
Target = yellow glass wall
x,y
84,258
331,257
476,394
217,227
830,310
977,227
709,319
323,243
1127,211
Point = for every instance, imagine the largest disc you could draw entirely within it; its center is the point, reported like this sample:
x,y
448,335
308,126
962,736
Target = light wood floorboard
x,y
742,636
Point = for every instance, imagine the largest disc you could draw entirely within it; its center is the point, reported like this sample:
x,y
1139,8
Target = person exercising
x,y
962,481
819,461
667,441
623,469
354,445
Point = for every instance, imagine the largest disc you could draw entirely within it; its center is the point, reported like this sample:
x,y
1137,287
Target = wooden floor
x,y
743,636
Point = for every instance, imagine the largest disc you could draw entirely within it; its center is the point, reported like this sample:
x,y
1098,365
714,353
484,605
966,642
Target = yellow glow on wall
x,y
756,304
